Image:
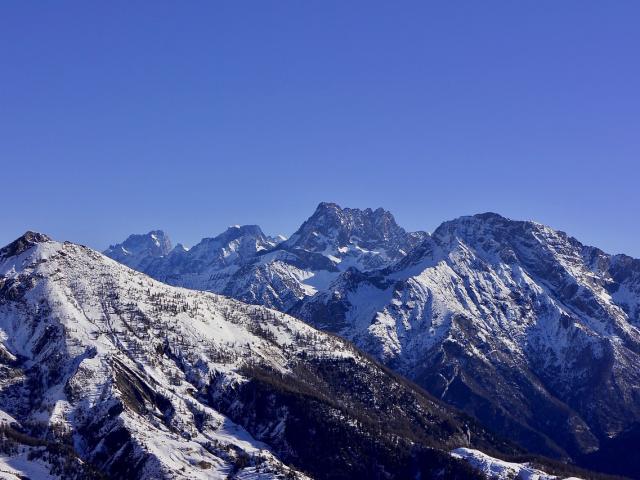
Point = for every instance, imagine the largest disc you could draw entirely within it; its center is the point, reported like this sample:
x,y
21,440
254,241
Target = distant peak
x,y
324,206
331,228
155,243
34,237
159,235
332,208
23,243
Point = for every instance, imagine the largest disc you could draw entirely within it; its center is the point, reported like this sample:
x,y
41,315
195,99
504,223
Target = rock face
x,y
522,326
105,372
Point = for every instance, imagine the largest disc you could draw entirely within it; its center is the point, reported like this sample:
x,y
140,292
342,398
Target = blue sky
x,y
120,117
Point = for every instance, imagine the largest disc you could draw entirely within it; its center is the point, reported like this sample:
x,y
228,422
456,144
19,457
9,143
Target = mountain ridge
x,y
509,320
280,272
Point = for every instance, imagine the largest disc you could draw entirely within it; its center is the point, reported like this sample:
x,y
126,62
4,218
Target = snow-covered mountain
x,y
105,372
246,264
533,333
350,237
137,251
519,325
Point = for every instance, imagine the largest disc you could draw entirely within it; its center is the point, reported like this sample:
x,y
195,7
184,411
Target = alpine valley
x,y
491,348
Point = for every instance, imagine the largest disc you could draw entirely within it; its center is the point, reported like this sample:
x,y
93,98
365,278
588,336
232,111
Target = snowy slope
x,y
496,469
117,372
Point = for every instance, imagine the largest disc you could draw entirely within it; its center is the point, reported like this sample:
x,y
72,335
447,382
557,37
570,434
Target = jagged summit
x,y
209,264
333,226
236,244
351,237
23,243
137,248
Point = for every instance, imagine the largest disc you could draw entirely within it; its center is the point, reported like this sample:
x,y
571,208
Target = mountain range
x,y
490,348
248,265
107,373
522,327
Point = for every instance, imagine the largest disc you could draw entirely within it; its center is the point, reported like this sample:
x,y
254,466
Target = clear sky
x,y
119,117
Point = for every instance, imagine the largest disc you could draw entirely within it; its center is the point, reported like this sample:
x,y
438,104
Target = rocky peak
x,y
156,243
139,249
23,243
473,225
332,227
492,234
